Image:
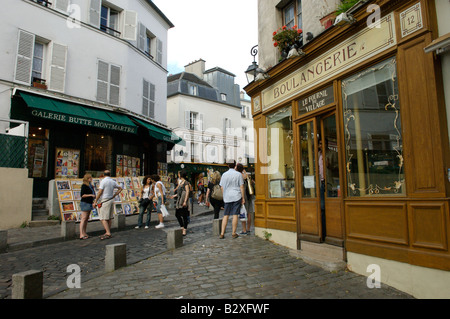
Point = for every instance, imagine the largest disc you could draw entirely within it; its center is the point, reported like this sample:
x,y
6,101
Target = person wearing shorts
x,y
105,199
232,184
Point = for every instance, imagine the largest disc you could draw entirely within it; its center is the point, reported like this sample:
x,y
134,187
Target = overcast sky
x,y
220,32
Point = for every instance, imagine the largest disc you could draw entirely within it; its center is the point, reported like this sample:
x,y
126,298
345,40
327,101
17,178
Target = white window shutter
x,y
114,87
152,101
102,82
24,58
94,12
130,26
61,5
159,51
145,97
187,119
142,37
200,124
58,67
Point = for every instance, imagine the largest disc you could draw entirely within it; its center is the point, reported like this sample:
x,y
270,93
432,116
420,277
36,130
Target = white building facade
x,y
83,73
204,109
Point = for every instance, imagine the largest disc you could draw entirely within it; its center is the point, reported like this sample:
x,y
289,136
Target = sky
x,y
221,33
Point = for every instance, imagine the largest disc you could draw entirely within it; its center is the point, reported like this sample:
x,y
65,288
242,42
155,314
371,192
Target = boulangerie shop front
x,y
353,144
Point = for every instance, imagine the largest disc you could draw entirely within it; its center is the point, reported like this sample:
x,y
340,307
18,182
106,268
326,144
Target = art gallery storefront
x,y
68,139
353,147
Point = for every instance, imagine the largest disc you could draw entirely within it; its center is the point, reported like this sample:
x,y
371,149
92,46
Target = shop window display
x,y
280,151
38,152
372,127
98,155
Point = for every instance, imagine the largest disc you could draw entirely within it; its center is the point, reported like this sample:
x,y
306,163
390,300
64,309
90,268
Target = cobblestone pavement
x,y
89,254
204,268
211,268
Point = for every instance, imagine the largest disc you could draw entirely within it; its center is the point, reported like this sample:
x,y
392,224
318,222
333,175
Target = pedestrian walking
x,y
146,202
232,184
181,205
214,195
105,202
87,194
248,189
160,195
200,189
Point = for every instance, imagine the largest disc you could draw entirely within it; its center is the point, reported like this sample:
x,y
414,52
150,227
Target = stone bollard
x,y
68,229
3,241
119,222
217,227
28,285
116,257
174,238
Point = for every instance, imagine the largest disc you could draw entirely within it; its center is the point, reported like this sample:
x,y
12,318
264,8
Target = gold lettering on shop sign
x,y
354,50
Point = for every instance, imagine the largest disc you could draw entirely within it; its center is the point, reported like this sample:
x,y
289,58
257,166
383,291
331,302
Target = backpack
x,y
216,192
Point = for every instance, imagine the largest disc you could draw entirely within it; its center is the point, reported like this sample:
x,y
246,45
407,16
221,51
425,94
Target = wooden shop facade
x,y
352,141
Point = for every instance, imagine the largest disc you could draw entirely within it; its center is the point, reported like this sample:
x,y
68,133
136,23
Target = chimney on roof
x,y
196,67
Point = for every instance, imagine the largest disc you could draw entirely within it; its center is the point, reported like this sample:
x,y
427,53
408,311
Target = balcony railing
x,y
45,3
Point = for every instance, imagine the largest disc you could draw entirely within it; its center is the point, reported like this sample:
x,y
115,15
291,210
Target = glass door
x,y
320,201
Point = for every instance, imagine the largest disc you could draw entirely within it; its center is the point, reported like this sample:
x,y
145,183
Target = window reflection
x,y
373,140
280,153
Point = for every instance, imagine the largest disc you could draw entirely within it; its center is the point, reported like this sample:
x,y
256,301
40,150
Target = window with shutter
x,y
102,82
114,85
130,26
148,99
94,12
61,5
24,58
58,67
159,53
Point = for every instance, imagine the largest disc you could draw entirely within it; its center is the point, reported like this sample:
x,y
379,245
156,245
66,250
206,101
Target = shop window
x,y
280,151
38,152
373,139
98,154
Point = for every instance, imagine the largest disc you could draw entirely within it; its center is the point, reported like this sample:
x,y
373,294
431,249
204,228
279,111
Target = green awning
x,y
161,133
56,110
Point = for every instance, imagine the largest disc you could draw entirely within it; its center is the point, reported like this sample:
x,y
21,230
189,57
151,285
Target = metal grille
x,y
13,151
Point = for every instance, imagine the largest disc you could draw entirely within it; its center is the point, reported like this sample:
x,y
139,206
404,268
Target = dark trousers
x,y
217,205
182,215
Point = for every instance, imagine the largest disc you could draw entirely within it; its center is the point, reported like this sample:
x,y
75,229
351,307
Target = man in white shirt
x,y
232,184
105,197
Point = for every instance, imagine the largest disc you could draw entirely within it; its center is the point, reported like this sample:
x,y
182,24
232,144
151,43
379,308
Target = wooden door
x,y
319,187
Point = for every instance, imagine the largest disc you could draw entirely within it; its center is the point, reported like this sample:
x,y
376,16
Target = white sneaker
x,y
159,226
146,227
137,227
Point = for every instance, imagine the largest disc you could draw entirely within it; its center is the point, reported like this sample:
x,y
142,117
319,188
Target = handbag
x,y
217,193
250,187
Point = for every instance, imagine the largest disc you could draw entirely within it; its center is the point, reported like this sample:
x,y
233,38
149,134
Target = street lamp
x,y
251,70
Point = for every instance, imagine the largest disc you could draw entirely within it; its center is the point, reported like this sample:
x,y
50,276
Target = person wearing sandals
x,y
146,202
181,207
106,205
87,194
160,194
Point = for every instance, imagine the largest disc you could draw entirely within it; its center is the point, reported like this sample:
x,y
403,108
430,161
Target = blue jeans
x,y
145,205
